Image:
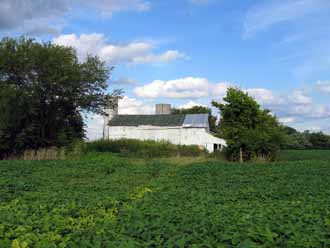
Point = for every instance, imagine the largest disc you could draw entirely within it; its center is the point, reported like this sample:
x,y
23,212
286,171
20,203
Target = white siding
x,y
174,135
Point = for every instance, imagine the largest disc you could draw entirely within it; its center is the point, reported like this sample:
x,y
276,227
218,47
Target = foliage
x,y
43,90
296,155
199,110
106,201
305,140
144,149
76,148
247,128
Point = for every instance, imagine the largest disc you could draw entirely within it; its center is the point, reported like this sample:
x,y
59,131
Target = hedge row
x,y
149,149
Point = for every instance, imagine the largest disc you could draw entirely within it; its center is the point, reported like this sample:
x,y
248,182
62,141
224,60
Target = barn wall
x,y
174,135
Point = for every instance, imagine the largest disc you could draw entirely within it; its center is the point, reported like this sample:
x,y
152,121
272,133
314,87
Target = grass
x,y
104,200
298,155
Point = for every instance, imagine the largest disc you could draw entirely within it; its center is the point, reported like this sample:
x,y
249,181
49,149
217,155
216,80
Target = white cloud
x,y
269,13
300,97
219,90
48,16
184,88
295,104
323,86
191,104
128,106
287,120
264,96
309,111
188,87
150,58
131,53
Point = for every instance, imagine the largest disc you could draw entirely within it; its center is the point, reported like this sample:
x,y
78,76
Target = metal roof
x,y
188,120
147,120
196,120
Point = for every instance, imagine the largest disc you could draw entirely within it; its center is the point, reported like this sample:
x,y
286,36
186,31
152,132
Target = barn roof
x,y
147,120
189,120
196,120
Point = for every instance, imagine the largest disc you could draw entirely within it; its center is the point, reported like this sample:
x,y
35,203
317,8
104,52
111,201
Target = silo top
x,y
163,109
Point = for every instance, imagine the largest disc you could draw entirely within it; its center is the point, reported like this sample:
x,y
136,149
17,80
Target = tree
x,y
199,110
250,132
306,140
44,90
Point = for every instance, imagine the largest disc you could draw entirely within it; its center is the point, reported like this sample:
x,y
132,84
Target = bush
x,y
145,149
220,155
76,148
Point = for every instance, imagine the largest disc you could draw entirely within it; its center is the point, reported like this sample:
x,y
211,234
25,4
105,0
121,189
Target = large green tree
x,y
199,110
250,132
44,89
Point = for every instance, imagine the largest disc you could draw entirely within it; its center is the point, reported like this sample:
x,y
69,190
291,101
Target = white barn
x,y
189,129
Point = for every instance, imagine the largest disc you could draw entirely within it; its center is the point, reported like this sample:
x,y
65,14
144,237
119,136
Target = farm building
x,y
183,129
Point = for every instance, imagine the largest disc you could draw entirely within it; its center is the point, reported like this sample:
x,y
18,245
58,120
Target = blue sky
x,y
187,52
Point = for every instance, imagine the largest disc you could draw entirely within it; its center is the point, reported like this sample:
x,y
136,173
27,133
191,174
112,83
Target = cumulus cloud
x,y
310,111
292,108
131,53
182,88
300,97
264,97
128,106
323,86
296,107
287,120
38,17
195,87
32,16
266,14
191,104
219,90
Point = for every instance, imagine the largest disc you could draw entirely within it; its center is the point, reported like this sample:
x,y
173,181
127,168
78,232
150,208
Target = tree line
x,y
305,140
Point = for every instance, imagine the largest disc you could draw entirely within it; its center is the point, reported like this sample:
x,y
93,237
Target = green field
x,y
107,201
295,155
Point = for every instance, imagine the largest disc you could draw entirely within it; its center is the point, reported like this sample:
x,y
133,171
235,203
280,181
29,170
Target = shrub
x,y
146,149
220,155
76,148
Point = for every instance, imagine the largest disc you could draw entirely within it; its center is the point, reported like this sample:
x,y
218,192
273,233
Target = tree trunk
x,y
240,155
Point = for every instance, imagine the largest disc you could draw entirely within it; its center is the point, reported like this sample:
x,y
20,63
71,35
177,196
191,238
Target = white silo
x,y
111,112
